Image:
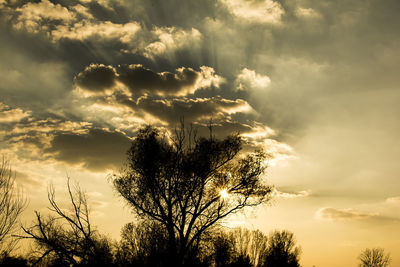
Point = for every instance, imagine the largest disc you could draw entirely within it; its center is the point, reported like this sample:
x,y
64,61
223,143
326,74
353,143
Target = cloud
x,y
170,110
291,195
98,150
80,22
265,11
96,77
171,39
33,16
106,30
141,80
8,114
249,80
307,13
75,23
393,200
343,214
49,126
28,179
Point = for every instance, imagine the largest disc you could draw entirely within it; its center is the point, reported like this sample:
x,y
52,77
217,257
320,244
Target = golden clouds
x,y
8,114
169,39
291,195
249,80
82,30
266,11
33,16
347,214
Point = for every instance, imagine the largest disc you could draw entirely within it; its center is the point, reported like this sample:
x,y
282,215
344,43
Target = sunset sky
x,y
314,83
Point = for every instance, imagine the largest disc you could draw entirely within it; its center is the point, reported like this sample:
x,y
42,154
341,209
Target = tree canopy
x,y
375,257
189,184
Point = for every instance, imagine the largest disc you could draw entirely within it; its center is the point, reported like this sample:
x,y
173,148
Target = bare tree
x,y
68,238
253,244
189,184
374,257
12,203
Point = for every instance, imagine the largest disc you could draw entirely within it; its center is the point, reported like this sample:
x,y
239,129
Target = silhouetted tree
x,y
230,248
12,261
68,238
282,251
178,182
374,257
12,203
223,250
241,261
252,244
142,244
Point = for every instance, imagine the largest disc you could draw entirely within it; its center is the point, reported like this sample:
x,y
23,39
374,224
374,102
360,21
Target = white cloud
x,y
249,80
170,39
266,11
33,14
208,78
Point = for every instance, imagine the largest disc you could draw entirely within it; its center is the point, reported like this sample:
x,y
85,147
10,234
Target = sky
x,y
313,83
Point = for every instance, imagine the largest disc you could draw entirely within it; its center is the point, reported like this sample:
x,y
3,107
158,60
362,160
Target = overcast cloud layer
x,y
314,83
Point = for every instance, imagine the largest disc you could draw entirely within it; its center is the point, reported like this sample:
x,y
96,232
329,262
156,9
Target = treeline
x,y
180,187
67,238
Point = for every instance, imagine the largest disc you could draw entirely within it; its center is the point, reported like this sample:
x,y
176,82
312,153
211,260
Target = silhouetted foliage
x,y
252,244
223,250
177,182
142,244
282,250
241,261
67,238
375,257
12,203
11,261
146,244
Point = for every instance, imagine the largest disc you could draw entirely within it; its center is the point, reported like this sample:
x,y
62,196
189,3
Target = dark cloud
x,y
96,77
141,80
171,110
98,150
